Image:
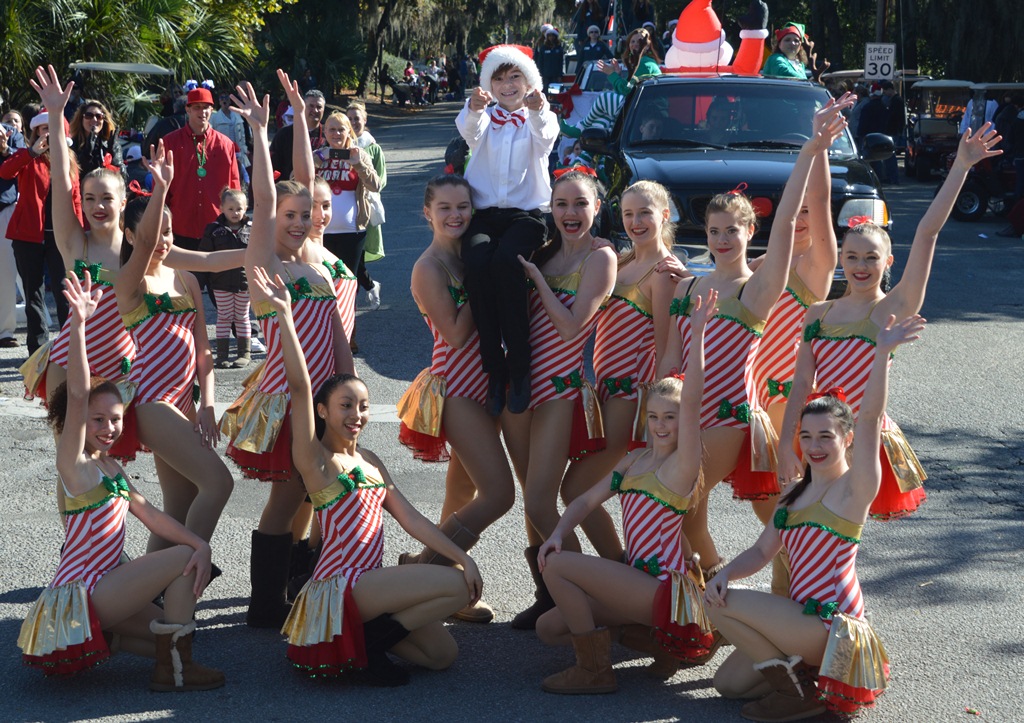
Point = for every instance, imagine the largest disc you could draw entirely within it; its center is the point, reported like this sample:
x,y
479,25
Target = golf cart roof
x,y
943,84
137,68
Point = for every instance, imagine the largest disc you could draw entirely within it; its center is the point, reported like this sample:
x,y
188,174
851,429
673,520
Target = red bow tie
x,y
500,116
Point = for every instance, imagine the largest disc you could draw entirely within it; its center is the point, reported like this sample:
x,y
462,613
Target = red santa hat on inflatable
x,y
699,38
518,55
698,42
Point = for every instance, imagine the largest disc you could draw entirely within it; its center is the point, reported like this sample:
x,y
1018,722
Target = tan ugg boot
x,y
638,637
593,670
464,538
794,693
244,353
174,670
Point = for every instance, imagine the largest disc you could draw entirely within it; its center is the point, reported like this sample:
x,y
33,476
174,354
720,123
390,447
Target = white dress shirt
x,y
508,167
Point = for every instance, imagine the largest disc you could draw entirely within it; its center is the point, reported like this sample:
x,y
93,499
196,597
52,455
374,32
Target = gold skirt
x,y
422,405
58,620
318,613
34,369
253,422
909,473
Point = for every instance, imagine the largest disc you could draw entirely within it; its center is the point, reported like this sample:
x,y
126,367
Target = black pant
x,y
496,284
33,261
362,274
348,247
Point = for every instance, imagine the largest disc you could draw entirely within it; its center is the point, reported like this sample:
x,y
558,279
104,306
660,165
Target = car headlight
x,y
874,208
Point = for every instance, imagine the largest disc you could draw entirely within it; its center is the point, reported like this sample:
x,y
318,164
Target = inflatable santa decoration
x,y
699,44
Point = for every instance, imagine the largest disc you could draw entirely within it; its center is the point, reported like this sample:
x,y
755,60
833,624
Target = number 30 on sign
x,y
879,61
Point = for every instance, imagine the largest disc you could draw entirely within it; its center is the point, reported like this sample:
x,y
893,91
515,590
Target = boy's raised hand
x,y
479,100
534,100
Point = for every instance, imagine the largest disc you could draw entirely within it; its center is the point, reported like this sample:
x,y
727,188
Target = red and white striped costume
x,y
822,558
324,628
346,286
556,368
843,357
731,339
256,419
624,353
164,369
108,344
652,518
453,372
61,633
775,361
822,550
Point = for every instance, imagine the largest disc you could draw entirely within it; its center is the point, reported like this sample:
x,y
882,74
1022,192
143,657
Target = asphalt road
x,y
943,586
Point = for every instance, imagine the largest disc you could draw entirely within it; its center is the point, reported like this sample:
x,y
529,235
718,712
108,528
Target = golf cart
x,y
935,107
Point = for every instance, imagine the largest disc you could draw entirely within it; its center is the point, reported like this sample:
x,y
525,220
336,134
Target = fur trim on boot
x,y
794,693
174,669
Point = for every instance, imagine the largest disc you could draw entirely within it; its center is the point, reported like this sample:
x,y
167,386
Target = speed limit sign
x,y
879,61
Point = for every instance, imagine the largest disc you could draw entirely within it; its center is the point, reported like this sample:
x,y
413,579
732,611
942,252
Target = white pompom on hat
x,y
518,55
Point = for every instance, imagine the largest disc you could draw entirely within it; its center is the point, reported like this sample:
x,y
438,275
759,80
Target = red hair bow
x,y
739,189
138,190
108,163
858,220
837,392
559,172
680,377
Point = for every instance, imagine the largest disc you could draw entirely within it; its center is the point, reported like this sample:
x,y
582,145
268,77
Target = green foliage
x,y
195,38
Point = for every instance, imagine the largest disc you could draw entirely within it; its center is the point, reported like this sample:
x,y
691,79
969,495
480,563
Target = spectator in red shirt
x,y
204,164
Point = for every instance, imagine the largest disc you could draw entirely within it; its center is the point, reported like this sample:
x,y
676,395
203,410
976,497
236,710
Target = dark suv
x,y
702,135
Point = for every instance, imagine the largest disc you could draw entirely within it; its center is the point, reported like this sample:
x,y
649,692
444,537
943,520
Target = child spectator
x,y
230,291
511,192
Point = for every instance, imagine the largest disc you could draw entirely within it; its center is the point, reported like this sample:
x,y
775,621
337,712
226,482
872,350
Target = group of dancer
x,y
692,382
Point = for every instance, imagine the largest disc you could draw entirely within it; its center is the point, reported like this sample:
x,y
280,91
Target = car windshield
x,y
755,115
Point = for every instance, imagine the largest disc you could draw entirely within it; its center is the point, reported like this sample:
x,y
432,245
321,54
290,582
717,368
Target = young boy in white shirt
x,y
508,172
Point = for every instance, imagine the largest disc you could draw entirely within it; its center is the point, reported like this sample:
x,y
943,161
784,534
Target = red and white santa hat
x,y
518,55
699,30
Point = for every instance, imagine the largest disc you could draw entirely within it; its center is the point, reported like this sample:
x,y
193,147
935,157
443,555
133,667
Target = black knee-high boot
x,y
268,572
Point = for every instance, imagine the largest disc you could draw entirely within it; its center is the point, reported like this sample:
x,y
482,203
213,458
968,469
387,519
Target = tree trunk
x,y
375,47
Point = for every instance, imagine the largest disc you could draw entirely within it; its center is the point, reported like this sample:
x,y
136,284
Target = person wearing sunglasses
x,y
593,48
94,139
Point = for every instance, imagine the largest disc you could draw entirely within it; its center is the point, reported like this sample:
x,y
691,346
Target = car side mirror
x,y
597,140
877,147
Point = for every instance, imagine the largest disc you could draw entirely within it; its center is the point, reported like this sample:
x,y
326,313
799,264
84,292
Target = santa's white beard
x,y
676,58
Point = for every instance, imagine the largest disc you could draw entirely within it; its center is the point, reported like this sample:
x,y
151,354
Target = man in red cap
x,y
204,163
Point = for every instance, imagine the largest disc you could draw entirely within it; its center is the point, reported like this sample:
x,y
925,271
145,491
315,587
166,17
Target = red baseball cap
x,y
199,95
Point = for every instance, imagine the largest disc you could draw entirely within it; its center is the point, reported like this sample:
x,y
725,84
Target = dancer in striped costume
x,y
819,631
98,250
633,327
93,602
655,597
839,335
258,421
810,278
169,329
446,401
353,611
738,436
571,281
314,252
